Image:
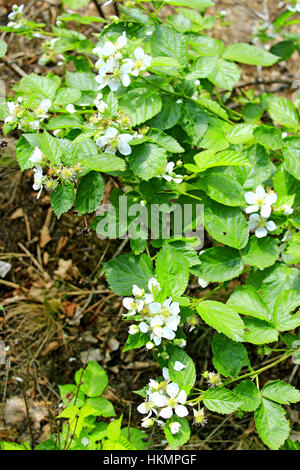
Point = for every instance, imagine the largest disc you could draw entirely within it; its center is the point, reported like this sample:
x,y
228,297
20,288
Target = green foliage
x,y
148,107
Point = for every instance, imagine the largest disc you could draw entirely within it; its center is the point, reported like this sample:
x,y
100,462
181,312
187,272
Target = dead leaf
x,y
17,214
63,267
14,411
51,347
69,308
45,233
91,354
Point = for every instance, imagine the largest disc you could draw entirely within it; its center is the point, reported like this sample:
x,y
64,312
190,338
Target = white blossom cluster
x,y
260,207
163,400
114,69
158,320
24,119
16,17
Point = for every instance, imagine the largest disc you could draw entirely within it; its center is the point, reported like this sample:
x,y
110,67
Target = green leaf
x,y
292,157
104,162
203,68
248,394
225,74
283,111
222,318
219,264
50,148
261,252
246,300
259,331
229,357
200,5
172,270
269,137
283,49
226,224
194,122
240,134
183,435
281,392
102,405
89,193
278,279
140,104
221,187
64,122
186,377
3,48
165,41
148,160
125,270
62,199
260,171
36,85
66,96
93,380
286,302
136,341
248,54
82,81
169,114
221,400
271,424
114,429
209,159
25,147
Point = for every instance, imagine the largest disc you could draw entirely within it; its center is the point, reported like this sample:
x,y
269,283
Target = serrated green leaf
x,y
93,380
229,357
222,318
182,436
140,104
271,424
248,394
259,331
219,264
225,74
126,270
261,252
172,270
247,301
148,160
248,54
281,392
187,376
62,199
283,111
226,224
89,193
221,400
165,41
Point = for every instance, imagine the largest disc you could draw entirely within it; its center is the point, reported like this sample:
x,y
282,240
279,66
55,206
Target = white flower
x,y
133,329
159,331
178,366
261,225
174,427
113,141
71,108
141,62
132,305
114,75
17,12
100,105
84,441
260,200
15,111
109,48
149,345
153,285
174,402
42,109
169,174
137,291
202,282
147,423
36,156
147,407
288,210
38,180
180,342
